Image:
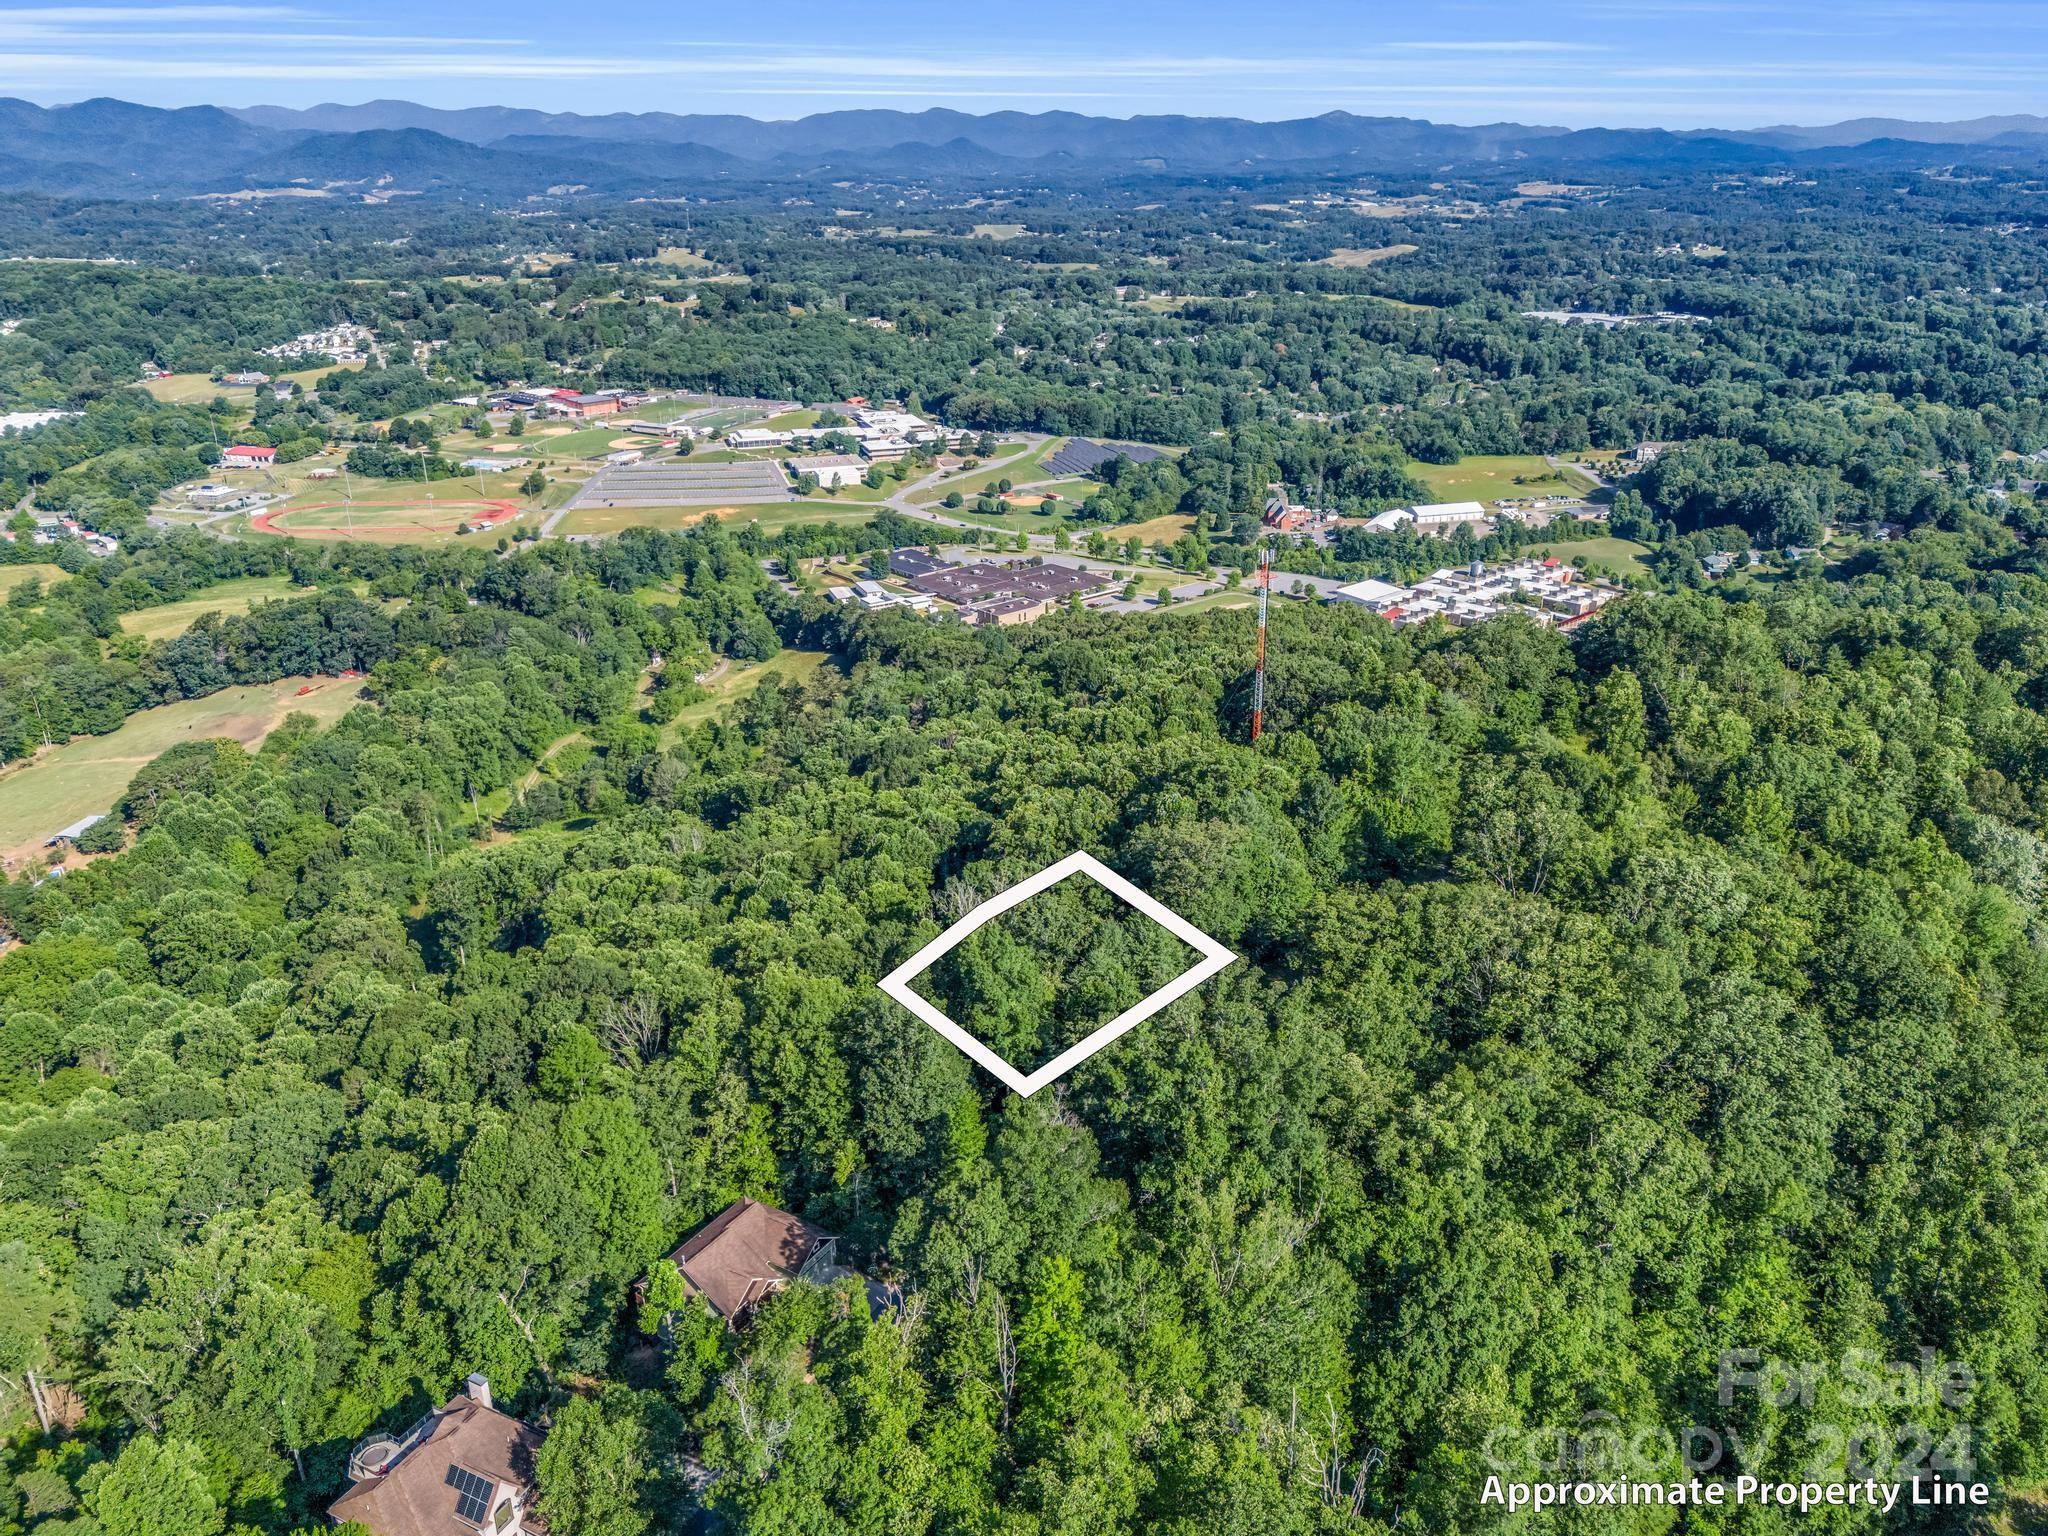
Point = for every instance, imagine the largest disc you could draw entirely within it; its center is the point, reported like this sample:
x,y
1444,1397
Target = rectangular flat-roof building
x,y
912,561
830,468
583,407
1378,596
983,582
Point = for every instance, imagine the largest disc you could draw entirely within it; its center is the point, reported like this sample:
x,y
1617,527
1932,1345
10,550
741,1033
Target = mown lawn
x,y
1491,477
1016,464
225,597
12,576
741,678
772,516
1617,554
89,773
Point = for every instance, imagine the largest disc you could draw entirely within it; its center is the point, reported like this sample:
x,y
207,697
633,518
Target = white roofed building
x,y
830,468
1378,596
1430,517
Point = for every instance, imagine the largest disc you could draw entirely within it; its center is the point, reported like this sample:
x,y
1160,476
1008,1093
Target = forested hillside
x,y
1607,1003
1610,1005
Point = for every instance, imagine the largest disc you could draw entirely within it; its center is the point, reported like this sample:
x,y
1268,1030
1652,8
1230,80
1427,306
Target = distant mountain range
x,y
114,148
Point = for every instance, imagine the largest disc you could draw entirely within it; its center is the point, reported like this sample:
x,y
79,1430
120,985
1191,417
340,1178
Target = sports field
x,y
88,774
386,522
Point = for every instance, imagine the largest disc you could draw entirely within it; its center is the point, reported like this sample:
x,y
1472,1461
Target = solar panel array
x,y
677,482
472,1494
1080,456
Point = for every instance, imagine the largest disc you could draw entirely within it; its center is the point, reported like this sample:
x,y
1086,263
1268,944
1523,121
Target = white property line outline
x,y
1214,958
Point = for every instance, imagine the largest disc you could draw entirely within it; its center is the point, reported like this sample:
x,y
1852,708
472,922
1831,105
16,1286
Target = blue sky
x,y
1679,63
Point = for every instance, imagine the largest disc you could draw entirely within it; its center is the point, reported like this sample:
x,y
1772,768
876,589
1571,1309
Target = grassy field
x,y
88,774
435,514
536,443
1075,488
184,388
1019,468
1617,554
680,256
998,231
1225,599
740,680
772,516
1361,256
1018,517
1160,530
790,421
12,576
226,597
356,507
1483,477
857,492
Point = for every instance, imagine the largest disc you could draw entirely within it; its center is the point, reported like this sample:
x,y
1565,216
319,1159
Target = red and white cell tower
x,y
1259,672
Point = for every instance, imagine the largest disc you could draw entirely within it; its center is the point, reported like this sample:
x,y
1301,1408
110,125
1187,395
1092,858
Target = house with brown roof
x,y
464,1468
749,1251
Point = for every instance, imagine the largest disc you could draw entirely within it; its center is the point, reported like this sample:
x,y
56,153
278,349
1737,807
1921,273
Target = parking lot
x,y
679,483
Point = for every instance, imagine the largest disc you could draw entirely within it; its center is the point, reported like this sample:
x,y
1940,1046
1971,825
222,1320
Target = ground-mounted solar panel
x,y
472,1494
1081,456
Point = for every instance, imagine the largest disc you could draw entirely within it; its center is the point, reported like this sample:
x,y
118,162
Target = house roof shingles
x,y
745,1251
416,1498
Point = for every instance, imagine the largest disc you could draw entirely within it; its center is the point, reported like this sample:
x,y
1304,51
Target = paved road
x,y
1599,480
899,499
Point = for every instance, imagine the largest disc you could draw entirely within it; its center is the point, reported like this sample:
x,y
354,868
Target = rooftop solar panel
x,y
472,1494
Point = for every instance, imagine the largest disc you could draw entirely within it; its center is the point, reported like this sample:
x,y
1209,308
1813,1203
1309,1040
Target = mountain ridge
x,y
884,128
107,147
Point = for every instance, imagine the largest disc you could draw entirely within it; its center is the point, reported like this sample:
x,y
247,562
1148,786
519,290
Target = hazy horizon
x,y
1733,64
